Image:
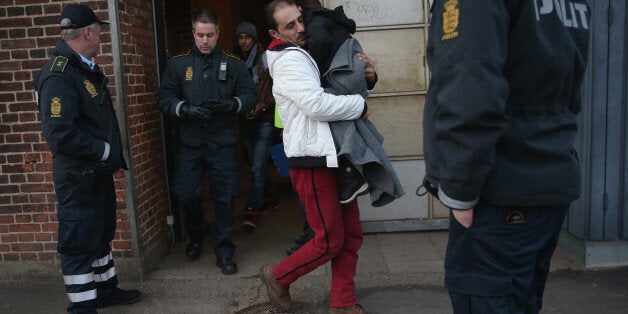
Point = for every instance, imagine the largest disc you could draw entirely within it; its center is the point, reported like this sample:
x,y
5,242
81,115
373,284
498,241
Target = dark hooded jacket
x,y
500,114
326,31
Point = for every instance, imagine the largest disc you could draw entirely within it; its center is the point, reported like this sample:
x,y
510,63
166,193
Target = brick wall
x,y
28,32
144,119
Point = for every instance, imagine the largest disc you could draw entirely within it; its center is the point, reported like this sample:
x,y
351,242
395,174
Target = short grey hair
x,y
73,33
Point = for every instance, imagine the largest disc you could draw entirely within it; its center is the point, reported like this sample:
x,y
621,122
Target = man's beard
x,y
302,45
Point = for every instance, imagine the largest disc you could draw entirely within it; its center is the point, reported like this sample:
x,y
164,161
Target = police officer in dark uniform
x,y
81,128
204,91
499,123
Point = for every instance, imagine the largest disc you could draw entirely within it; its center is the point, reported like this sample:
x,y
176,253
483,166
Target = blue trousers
x,y
500,263
224,182
256,138
87,224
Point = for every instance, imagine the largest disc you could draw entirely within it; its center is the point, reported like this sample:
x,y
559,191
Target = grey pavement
x,y
397,273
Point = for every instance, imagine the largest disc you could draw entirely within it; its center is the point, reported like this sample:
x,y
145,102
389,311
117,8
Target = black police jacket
x,y
500,113
192,77
77,115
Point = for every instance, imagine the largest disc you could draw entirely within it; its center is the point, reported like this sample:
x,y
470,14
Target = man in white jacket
x,y
305,109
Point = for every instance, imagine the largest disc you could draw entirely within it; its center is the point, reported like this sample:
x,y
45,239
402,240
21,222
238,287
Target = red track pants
x,y
338,234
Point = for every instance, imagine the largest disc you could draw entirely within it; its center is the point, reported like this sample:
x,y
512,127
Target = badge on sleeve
x,y
55,107
91,89
451,17
189,73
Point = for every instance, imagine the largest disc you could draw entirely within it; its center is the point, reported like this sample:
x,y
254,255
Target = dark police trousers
x,y
224,181
87,224
501,262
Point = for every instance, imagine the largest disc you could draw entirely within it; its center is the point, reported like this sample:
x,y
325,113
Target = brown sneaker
x,y
348,310
278,294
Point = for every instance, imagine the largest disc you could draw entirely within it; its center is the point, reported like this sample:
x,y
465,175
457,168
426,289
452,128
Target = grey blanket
x,y
358,140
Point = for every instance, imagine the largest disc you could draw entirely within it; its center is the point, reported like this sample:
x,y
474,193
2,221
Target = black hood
x,y
337,15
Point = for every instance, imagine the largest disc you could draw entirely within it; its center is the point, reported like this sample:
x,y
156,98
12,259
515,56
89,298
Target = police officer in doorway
x,y
81,128
500,123
205,90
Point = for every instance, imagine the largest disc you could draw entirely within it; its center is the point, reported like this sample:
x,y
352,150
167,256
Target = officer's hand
x,y
222,105
464,217
195,111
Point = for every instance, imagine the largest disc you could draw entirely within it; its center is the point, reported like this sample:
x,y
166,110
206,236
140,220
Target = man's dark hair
x,y
272,7
205,16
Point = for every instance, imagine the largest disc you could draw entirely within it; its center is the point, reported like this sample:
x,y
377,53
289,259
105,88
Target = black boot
x,y
119,296
194,249
227,265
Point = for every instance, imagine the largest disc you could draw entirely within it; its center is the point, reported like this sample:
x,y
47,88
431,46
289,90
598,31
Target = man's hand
x,y
194,111
464,217
259,109
369,72
221,105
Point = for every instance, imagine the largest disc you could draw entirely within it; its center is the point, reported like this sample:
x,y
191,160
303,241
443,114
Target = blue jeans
x,y
222,172
256,138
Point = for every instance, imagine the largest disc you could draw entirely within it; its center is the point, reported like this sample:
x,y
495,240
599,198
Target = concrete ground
x,y
397,273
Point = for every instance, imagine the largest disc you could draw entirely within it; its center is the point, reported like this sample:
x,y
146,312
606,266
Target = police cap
x,y
80,15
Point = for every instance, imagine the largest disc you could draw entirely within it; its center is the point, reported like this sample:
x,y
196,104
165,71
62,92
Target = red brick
x,y
25,228
47,256
41,218
26,237
52,9
19,199
7,97
37,53
23,76
10,257
26,247
23,218
8,238
37,198
15,11
31,256
35,32
4,248
20,2
17,33
31,137
33,10
15,159
6,189
51,246
7,219
19,54
49,227
10,209
8,117
17,44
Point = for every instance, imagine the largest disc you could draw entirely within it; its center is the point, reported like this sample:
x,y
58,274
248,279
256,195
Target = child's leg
x,y
354,183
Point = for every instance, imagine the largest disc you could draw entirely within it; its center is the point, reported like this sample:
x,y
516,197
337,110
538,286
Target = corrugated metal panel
x,y
600,213
616,122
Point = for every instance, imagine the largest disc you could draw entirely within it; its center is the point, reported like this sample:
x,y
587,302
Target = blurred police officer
x,y
81,128
500,122
204,90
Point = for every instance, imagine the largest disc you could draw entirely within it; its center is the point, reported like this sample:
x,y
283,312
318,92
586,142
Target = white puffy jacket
x,y
304,108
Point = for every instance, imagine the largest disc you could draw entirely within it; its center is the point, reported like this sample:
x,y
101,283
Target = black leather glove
x,y
195,111
222,105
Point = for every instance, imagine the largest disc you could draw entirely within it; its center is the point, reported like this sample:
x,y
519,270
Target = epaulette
x,y
182,54
230,54
59,64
